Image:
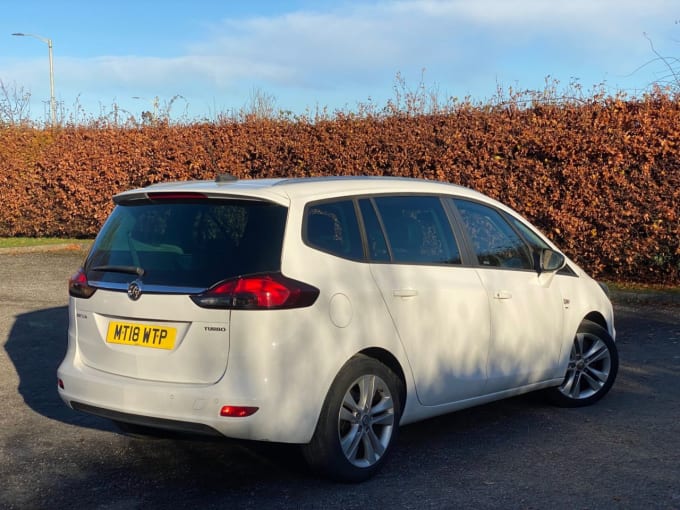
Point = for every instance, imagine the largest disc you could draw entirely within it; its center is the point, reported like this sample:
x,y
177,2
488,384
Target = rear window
x,y
188,244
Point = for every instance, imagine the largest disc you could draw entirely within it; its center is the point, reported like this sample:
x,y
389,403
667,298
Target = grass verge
x,y
620,288
21,242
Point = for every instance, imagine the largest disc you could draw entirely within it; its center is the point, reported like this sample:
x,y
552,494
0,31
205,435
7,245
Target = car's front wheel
x,y
358,422
592,369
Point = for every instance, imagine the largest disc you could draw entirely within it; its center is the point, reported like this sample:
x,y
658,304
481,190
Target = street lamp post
x,y
53,103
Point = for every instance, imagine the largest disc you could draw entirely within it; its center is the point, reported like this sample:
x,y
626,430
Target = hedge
x,y
601,178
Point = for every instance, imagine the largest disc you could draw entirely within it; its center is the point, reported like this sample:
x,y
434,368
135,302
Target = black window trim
x,y
364,234
461,238
453,228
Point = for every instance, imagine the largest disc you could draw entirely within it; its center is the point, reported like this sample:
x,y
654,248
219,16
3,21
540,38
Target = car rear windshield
x,y
194,243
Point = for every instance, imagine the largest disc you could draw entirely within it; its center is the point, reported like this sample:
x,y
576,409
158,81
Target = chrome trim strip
x,y
147,289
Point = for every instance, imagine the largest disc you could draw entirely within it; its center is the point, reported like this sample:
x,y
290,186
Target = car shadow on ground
x,y
36,345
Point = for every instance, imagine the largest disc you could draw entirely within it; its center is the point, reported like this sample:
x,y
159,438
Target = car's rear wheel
x,y
358,422
592,369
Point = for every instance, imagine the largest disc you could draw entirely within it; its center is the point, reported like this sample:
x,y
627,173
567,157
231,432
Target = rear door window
x,y
188,244
418,230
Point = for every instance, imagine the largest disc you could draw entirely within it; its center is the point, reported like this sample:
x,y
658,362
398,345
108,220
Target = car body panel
x,y
526,328
201,347
442,316
458,335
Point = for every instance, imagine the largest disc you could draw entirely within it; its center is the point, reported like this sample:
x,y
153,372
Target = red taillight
x,y
260,292
78,286
237,411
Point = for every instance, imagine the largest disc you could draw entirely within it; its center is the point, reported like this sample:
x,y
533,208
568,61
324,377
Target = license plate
x,y
143,335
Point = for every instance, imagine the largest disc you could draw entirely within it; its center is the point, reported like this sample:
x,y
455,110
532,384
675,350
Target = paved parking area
x,y
522,453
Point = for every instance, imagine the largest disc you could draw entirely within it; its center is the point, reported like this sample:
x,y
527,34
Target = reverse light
x,y
237,411
78,285
259,292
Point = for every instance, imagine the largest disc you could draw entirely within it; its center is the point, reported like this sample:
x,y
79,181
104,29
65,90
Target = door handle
x,y
404,293
502,294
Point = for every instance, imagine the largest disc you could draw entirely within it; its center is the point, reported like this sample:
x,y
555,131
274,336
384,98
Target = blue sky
x,y
306,54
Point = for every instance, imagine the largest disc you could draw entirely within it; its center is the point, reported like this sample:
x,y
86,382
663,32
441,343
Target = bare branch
x,y
14,104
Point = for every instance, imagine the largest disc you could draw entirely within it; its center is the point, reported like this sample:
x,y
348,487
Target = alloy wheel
x,y
366,420
589,367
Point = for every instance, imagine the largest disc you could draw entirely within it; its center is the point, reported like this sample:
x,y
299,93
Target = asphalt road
x,y
521,453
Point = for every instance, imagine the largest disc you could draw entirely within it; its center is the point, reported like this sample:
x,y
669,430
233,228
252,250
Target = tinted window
x,y
333,227
529,235
418,230
192,244
377,246
494,241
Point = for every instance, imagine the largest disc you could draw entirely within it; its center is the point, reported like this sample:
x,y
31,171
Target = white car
x,y
325,312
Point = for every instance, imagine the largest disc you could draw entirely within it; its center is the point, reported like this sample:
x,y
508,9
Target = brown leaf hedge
x,y
600,178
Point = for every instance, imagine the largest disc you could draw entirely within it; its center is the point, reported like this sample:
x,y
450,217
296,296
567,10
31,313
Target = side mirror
x,y
550,261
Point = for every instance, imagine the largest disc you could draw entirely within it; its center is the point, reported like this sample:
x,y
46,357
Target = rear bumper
x,y
178,407
146,421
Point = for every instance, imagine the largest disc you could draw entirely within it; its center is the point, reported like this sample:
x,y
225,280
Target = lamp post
x,y
53,103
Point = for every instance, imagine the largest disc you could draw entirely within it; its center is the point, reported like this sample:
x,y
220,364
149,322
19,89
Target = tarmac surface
x,y
623,452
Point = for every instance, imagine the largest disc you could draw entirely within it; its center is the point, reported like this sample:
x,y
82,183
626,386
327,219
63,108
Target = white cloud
x,y
374,38
356,48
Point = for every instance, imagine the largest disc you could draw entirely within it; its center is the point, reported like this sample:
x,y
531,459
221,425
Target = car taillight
x,y
78,286
258,292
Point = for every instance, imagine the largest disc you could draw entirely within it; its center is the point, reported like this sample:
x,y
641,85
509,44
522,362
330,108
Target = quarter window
x,y
333,227
494,241
418,230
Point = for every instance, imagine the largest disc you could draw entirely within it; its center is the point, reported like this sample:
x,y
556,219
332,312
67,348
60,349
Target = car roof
x,y
306,188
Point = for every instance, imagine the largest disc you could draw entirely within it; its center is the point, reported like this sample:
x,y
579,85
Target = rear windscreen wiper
x,y
120,269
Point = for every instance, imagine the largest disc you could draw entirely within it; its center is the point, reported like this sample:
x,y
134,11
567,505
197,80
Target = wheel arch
x,y
598,319
390,361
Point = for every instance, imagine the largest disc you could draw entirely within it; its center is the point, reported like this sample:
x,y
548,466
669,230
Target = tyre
x,y
358,422
592,369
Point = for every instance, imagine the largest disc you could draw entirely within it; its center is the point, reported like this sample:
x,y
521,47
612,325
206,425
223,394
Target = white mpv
x,y
325,312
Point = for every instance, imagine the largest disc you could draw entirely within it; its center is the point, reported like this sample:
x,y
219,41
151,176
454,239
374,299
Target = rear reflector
x,y
237,411
60,383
